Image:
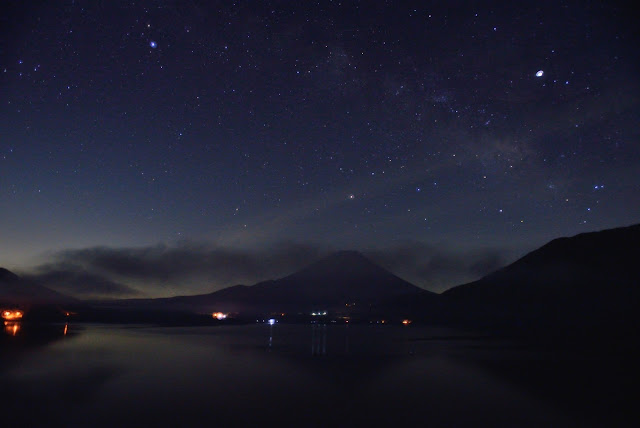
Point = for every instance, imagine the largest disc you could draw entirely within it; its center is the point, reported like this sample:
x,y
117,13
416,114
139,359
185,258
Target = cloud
x,y
192,268
75,281
165,270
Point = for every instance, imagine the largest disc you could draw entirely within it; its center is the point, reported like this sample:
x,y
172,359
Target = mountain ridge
x,y
588,278
15,290
344,277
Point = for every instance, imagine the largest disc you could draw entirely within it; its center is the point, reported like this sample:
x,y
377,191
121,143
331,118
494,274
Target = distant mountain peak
x,y
347,254
347,265
330,282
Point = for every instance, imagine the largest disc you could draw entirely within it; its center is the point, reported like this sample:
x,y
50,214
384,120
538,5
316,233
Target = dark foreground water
x,y
298,375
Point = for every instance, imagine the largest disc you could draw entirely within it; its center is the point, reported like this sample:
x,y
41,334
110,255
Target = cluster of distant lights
x,y
273,321
12,315
270,321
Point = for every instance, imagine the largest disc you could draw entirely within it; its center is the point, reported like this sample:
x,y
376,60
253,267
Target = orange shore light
x,y
12,314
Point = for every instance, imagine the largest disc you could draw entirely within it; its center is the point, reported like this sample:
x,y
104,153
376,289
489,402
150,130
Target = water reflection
x,y
12,327
173,376
20,334
318,339
346,340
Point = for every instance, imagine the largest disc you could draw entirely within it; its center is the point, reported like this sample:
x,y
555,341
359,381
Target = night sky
x,y
170,147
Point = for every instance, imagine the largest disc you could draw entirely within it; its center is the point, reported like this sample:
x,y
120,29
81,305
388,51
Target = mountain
x,y
331,283
343,277
586,280
18,291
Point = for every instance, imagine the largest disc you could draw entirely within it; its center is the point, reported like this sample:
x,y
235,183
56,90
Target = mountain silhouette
x,y
18,291
591,278
342,278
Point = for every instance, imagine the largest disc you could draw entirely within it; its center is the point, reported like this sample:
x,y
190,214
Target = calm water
x,y
293,375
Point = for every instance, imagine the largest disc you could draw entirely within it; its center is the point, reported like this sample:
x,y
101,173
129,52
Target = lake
x,y
293,375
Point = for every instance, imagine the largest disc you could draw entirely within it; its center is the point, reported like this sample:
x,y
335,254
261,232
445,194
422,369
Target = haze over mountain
x,y
342,278
18,291
589,278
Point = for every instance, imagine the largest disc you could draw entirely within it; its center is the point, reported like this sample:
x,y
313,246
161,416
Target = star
x,y
252,104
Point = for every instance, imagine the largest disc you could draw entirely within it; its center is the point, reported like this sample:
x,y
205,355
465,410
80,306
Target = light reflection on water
x,y
11,327
319,339
240,375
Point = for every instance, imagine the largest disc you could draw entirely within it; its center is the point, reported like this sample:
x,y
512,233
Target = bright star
x,y
153,44
540,73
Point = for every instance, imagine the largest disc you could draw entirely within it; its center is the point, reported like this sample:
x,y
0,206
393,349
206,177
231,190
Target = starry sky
x,y
170,147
